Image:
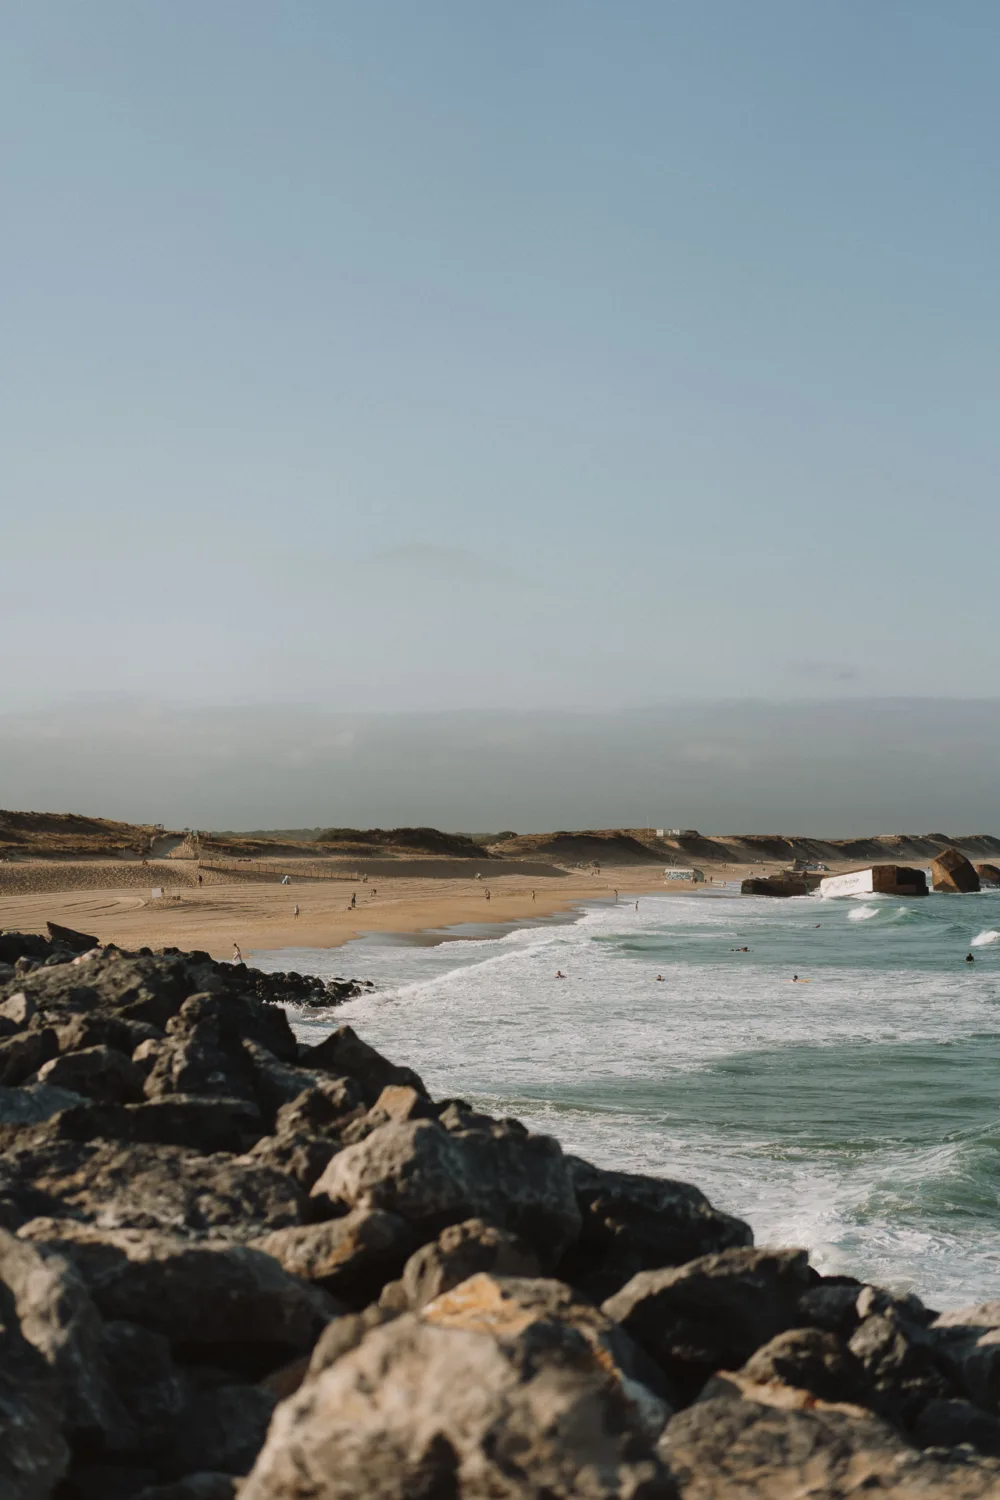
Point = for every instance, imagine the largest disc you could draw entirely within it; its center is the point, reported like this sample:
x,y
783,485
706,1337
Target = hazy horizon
x,y
835,768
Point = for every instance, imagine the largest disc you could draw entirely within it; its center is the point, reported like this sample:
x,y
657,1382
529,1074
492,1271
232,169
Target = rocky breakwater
x,y
231,1264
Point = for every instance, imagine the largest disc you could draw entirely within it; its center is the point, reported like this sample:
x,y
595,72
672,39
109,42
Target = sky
x,y
550,356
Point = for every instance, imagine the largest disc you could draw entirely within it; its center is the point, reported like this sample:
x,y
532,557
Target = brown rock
x,y
989,875
951,871
352,1257
499,1392
460,1251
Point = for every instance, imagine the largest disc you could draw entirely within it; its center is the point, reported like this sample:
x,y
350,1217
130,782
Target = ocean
x,y
855,1112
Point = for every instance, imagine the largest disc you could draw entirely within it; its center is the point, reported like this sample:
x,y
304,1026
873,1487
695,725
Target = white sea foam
x,y
842,1115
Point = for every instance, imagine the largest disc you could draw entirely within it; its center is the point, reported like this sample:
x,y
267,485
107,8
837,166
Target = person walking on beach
x,y
200,879
532,895
237,955
487,893
354,899
637,906
295,910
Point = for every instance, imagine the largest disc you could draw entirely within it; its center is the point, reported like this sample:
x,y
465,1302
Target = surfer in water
x,y
560,974
970,958
659,978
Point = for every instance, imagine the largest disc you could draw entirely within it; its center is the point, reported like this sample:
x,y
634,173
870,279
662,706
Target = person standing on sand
x,y
532,895
354,899
295,910
487,893
237,955
200,879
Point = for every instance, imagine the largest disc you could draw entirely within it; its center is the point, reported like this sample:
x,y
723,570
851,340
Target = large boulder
x,y
203,1293
101,1073
491,1393
968,1341
58,1317
724,1449
344,1054
713,1313
951,871
633,1223
352,1257
989,876
461,1251
146,1187
34,1454
77,942
433,1177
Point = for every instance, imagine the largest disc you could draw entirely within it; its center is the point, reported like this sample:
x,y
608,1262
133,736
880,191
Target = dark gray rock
x,y
633,1223
146,1187
346,1055
832,1305
68,937
745,1450
967,1340
146,1380
104,1479
203,1125
303,1159
101,1073
232,1019
900,1365
33,1103
276,1083
714,1312
432,1177
24,1054
194,1487
34,1454
811,1359
58,1317
192,1293
194,1063
948,1424
222,1430
97,1030
460,1251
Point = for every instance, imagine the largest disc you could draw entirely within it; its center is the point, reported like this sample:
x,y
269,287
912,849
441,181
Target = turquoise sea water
x,y
857,1115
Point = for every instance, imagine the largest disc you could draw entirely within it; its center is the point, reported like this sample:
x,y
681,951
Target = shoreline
x,y
260,918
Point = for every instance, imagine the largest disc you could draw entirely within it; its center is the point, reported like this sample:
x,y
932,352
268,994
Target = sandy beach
x,y
261,916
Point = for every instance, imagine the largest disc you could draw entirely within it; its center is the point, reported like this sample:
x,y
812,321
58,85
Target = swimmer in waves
x,y
560,974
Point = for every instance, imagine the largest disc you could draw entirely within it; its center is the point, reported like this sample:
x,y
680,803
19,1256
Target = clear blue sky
x,y
514,354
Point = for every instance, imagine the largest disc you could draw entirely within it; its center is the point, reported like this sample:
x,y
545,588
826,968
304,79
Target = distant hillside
x,y
34,835
401,841
606,846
